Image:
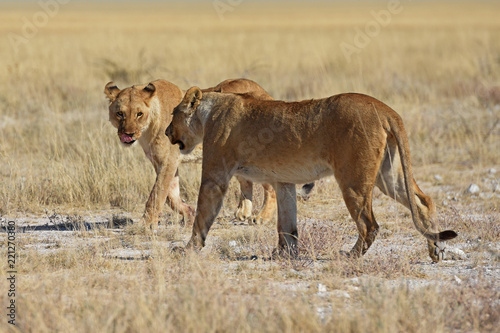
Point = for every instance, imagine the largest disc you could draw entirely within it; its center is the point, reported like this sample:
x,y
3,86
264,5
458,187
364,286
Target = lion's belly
x,y
295,174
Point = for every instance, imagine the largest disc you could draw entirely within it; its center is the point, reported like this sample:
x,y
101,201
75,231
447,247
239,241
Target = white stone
x,y
452,253
341,293
472,189
355,280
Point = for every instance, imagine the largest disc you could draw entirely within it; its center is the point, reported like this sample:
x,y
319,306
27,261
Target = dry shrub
x,y
319,240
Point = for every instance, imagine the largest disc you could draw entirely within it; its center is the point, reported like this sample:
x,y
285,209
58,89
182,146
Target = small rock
x,y
341,293
438,178
354,280
322,312
473,189
459,281
455,254
233,243
492,171
321,288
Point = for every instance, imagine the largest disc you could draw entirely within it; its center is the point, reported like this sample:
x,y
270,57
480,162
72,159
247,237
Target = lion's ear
x,y
150,88
111,91
149,91
192,98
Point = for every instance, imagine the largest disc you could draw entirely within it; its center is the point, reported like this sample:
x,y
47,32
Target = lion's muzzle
x,y
127,138
169,134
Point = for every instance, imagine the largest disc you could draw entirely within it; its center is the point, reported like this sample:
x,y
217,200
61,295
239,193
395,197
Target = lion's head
x,y
130,110
186,128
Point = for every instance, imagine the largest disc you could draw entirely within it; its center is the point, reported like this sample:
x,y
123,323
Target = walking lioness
x,y
141,114
356,138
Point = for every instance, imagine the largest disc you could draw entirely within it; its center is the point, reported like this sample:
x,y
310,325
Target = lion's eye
x,y
139,114
119,114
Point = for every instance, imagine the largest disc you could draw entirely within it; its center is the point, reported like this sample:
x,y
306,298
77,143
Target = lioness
x,y
141,114
356,138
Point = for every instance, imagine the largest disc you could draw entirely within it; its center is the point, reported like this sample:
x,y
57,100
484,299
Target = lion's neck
x,y
204,111
155,117
151,131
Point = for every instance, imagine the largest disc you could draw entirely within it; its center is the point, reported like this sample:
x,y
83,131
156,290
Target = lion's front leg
x,y
155,202
287,218
212,191
164,177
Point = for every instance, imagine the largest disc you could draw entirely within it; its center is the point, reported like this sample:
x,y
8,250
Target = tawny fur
x,y
141,114
356,138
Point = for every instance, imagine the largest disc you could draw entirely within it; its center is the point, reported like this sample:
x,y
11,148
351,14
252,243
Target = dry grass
x,y
437,64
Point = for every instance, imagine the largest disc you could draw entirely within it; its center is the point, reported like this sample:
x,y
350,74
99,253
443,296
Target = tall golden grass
x,y
436,63
438,70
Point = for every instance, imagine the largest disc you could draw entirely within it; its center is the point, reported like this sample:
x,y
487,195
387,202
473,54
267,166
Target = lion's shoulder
x,y
240,86
167,90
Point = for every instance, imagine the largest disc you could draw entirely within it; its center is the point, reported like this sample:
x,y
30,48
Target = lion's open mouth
x,y
181,144
127,139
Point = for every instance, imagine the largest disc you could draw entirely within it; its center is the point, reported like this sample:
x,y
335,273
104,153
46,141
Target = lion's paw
x,y
244,211
437,251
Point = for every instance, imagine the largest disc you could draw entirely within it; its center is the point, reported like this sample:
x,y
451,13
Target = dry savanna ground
x,y
64,176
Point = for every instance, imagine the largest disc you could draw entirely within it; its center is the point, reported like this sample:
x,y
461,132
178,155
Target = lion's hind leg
x,y
268,210
356,179
244,211
175,202
359,203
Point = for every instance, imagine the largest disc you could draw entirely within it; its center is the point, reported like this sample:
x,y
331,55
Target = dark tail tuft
x,y
447,235
307,188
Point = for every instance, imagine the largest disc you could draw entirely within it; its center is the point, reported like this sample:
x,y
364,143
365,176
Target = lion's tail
x,y
397,128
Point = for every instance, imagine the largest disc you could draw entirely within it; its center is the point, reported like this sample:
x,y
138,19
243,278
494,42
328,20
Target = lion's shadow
x,y
78,225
